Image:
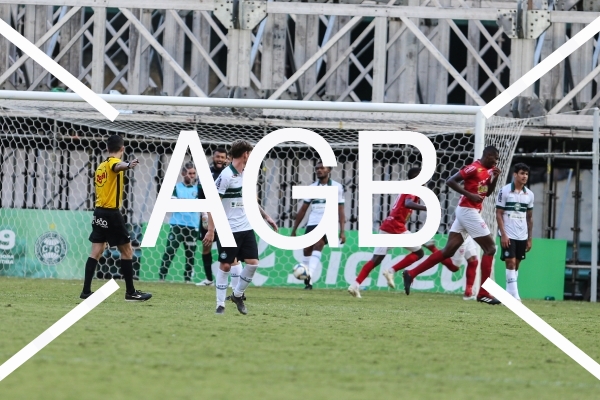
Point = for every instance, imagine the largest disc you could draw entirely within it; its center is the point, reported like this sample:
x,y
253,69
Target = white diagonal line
x,y
542,327
59,327
542,68
59,72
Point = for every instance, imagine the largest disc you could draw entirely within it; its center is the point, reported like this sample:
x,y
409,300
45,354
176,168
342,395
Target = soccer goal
x,y
52,143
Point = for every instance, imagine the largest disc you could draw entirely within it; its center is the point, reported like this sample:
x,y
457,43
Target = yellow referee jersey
x,y
109,184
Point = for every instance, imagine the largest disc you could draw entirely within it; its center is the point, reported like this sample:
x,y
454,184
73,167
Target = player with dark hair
x,y
514,213
395,223
184,225
229,186
219,162
108,224
312,254
480,179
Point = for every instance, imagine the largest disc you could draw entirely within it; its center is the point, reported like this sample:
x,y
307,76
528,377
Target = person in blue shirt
x,y
184,225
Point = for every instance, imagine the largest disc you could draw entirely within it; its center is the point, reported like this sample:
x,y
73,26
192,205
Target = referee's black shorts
x,y
108,225
246,248
516,249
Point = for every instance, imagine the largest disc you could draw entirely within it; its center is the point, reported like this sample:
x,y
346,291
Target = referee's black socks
x,y
127,271
90,270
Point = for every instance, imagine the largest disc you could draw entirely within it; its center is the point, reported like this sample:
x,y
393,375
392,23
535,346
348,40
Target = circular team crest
x,y
50,248
506,253
223,255
101,176
517,206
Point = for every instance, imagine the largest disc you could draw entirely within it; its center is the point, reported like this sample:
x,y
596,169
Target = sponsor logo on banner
x,y
51,248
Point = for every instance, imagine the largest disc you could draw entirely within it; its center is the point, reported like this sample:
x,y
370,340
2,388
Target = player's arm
x,y
123,166
529,217
454,183
300,216
504,239
222,184
409,203
493,181
342,220
500,206
266,217
341,214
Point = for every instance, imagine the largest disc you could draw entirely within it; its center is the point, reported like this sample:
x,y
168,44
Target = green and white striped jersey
x,y
229,186
515,206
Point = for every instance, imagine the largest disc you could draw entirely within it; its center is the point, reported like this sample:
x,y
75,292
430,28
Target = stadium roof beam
x,y
365,10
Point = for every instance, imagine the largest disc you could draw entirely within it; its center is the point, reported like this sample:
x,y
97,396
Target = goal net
x,y
50,151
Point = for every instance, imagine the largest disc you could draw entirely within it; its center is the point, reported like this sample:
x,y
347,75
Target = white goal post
x,y
52,142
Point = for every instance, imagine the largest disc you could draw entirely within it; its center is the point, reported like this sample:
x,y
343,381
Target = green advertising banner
x,y
44,243
338,267
542,273
54,244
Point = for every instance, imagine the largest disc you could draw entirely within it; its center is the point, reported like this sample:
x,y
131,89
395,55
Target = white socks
x,y
315,259
245,279
221,285
306,260
511,283
235,272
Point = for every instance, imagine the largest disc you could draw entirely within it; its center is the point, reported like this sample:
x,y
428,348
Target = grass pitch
x,y
292,345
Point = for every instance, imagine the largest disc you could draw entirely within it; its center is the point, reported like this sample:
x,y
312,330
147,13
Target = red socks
x,y
406,262
471,272
447,262
429,263
486,271
365,271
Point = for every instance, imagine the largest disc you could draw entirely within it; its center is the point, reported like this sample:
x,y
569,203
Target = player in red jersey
x,y
395,223
480,179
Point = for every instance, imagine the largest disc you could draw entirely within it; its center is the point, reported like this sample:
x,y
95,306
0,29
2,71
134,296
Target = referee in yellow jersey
x,y
108,224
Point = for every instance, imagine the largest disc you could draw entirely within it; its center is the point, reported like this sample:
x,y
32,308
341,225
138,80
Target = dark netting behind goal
x,y
50,150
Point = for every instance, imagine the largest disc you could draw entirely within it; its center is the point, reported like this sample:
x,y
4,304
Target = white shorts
x,y
382,251
466,250
468,221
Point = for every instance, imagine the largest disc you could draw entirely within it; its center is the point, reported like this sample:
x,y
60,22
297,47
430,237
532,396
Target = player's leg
x,y
488,245
173,242
226,256
448,263
416,253
455,239
98,237
189,244
470,275
512,256
378,255
314,260
127,271
119,236
307,252
248,251
90,269
207,261
235,272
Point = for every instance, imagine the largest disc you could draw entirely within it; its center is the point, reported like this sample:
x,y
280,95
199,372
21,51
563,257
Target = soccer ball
x,y
301,272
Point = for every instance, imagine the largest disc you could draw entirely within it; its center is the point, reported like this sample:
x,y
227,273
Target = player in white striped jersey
x,y
514,213
312,254
229,186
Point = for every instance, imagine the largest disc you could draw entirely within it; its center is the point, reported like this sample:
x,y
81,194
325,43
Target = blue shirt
x,y
189,219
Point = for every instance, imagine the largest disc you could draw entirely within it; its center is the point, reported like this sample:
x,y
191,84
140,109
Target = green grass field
x,y
292,345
